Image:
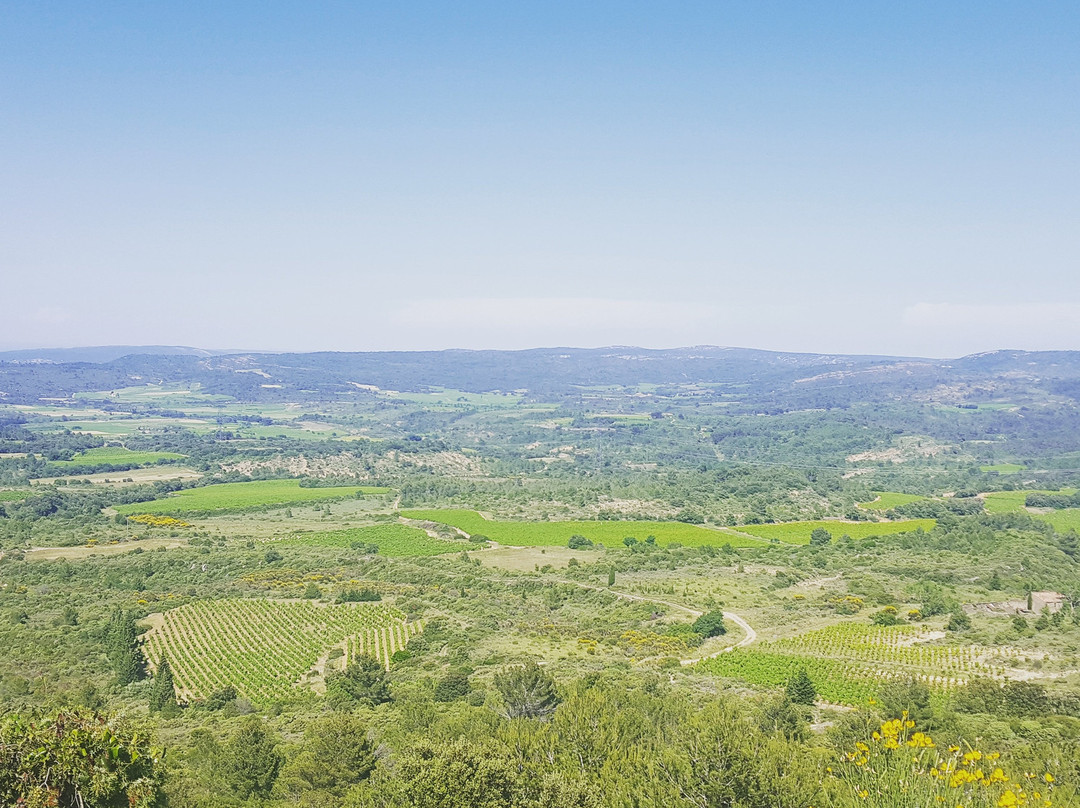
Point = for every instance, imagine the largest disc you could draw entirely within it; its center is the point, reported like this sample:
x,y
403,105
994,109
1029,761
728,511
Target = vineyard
x,y
226,497
393,540
268,649
884,500
799,532
849,661
556,534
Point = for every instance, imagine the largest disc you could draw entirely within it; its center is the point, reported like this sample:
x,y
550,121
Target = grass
x,y
243,496
556,534
1013,501
799,532
13,496
889,499
394,541
113,456
1003,468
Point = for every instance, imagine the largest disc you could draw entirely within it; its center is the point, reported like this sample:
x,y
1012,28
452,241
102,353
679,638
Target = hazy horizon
x,y
823,178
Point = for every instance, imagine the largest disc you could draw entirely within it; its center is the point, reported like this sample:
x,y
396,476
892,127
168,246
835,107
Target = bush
x,y
710,624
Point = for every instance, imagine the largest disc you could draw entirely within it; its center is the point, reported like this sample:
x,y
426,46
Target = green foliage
x,y
364,681
336,754
527,691
251,761
959,621
820,537
710,624
77,758
452,686
578,542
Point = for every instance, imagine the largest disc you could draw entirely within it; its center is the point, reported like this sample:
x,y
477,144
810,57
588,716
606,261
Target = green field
x,y
799,532
889,499
1064,520
113,456
393,540
1013,501
13,496
556,534
243,496
1002,468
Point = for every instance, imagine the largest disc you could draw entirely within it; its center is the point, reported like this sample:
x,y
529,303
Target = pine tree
x,y
163,692
800,688
528,692
251,761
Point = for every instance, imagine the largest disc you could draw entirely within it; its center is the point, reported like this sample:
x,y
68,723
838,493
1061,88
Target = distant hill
x,y
101,353
742,379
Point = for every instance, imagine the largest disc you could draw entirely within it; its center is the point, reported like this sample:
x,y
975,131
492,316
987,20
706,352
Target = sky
x,y
840,177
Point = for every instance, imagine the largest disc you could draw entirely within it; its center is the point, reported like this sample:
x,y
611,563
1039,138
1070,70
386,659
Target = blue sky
x,y
839,177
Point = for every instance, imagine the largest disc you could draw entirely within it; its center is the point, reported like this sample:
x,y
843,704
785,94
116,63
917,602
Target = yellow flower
x,y
998,776
1048,777
1007,800
864,794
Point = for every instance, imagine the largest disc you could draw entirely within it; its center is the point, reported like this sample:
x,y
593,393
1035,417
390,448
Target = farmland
x,y
799,532
885,500
1013,501
556,534
393,540
848,661
112,456
244,496
267,649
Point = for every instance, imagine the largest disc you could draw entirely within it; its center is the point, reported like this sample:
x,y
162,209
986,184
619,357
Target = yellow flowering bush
x,y
154,520
902,766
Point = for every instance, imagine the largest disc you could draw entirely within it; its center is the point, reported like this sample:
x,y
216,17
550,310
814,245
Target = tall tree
x,y
163,691
336,755
251,761
122,647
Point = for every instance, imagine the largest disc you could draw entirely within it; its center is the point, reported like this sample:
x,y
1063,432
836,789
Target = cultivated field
x,y
243,496
267,649
799,532
848,661
112,456
557,534
392,540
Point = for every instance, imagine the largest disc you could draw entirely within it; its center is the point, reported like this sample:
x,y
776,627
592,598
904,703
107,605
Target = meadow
x,y
13,496
799,532
255,495
393,540
1002,468
267,649
557,534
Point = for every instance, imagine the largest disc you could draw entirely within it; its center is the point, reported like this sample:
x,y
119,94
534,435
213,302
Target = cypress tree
x,y
122,647
163,692
800,688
